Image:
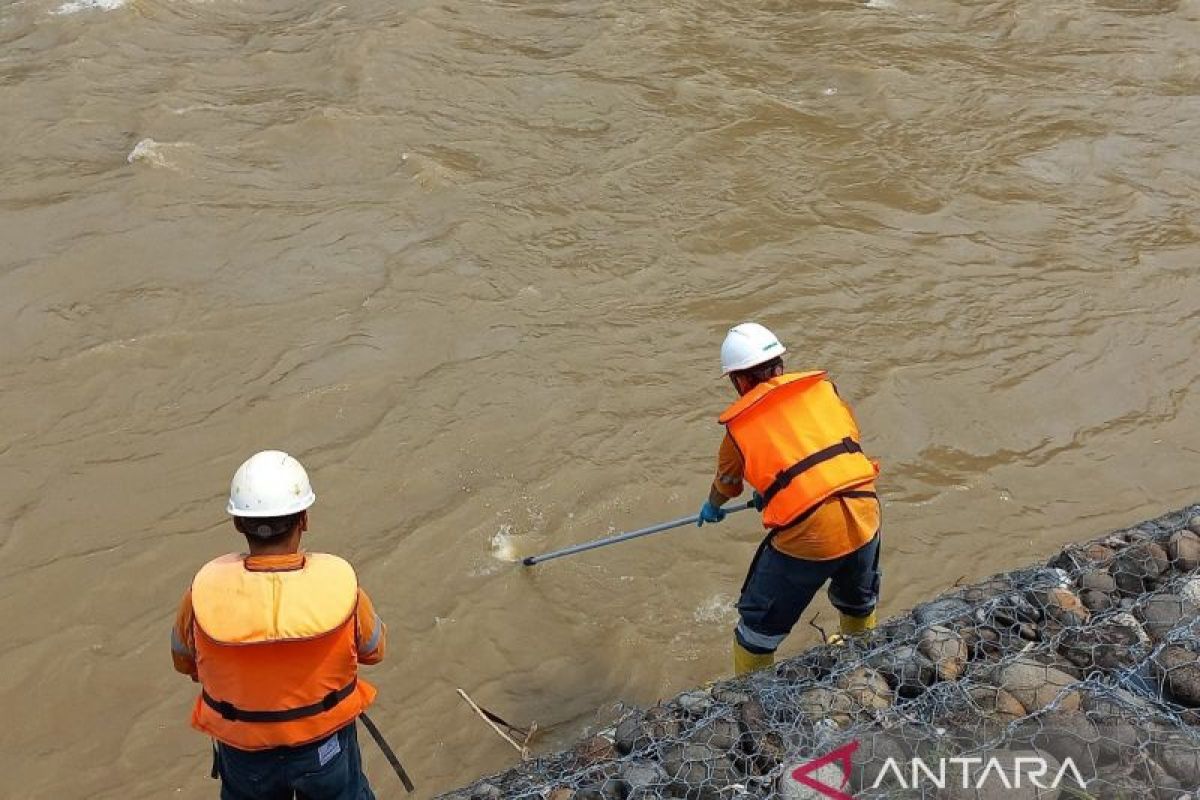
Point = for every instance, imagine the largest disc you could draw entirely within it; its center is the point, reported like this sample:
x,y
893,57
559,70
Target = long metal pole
x,y
624,537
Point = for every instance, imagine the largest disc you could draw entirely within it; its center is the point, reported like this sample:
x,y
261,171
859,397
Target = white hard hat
x,y
748,345
269,484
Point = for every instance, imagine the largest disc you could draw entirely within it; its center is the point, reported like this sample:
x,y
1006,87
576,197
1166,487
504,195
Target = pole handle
x,y
530,561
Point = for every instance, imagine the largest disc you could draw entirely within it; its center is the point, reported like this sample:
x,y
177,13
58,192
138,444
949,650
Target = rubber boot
x,y
852,625
849,626
744,661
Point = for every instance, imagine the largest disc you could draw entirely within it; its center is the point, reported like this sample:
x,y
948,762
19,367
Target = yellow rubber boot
x,y
851,625
744,661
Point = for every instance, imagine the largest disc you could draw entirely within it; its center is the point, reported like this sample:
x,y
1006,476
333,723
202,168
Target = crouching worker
x,y
275,637
796,443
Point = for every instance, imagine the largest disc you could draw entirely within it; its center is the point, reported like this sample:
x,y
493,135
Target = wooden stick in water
x,y
495,722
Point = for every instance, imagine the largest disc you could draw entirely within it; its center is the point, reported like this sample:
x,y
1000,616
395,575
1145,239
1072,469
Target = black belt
x,y
786,476
234,714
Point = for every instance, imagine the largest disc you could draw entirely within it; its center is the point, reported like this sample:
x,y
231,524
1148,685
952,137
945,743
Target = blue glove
x,y
710,513
756,500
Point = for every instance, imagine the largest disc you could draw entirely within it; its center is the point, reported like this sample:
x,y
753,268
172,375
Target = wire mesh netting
x,y
1078,679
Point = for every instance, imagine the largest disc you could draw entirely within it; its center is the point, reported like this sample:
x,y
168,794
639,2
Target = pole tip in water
x,y
529,561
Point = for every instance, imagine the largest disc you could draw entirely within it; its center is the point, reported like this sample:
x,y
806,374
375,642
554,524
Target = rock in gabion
x,y
1091,661
1036,685
486,791
1179,670
701,768
945,649
1137,569
1111,644
1184,550
1162,613
942,611
905,669
994,702
695,704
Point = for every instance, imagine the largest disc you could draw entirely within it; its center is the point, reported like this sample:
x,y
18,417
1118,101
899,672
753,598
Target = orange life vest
x,y
799,442
276,652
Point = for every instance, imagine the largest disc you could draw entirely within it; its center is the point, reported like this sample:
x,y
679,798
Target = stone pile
x,y
1092,661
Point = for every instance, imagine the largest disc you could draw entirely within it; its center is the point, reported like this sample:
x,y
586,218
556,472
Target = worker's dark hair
x,y
264,530
761,372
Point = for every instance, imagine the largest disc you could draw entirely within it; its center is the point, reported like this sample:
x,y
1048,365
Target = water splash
x,y
147,150
503,545
716,609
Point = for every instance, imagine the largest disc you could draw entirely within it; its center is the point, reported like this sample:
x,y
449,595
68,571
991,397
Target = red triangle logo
x,y
803,773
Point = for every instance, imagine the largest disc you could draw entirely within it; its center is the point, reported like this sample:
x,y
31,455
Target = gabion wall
x,y
1093,659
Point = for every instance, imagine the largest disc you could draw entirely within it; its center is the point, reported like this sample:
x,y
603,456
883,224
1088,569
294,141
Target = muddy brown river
x,y
472,262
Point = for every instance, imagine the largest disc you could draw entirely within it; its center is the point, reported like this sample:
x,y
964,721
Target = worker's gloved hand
x,y
756,500
710,513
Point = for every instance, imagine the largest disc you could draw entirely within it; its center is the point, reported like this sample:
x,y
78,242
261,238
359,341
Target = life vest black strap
x,y
786,476
234,714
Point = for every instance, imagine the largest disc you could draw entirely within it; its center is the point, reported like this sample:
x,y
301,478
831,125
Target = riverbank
x,y
1077,678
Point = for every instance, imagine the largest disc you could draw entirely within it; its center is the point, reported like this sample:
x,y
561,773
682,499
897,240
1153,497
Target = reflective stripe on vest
x,y
276,652
800,445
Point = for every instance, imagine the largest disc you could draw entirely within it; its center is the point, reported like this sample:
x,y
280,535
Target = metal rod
x,y
387,752
624,537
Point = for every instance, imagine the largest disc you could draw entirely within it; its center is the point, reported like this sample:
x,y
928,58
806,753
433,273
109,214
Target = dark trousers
x,y
779,588
329,769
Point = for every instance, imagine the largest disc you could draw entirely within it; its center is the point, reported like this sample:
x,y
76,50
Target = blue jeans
x,y
779,588
329,769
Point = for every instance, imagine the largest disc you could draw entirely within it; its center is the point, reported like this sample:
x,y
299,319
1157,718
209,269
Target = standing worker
x,y
796,443
275,637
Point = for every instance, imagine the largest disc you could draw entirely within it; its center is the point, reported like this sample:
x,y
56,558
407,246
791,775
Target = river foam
x,y
76,6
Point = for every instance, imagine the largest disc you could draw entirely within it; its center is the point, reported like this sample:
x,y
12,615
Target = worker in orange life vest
x,y
796,443
275,637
